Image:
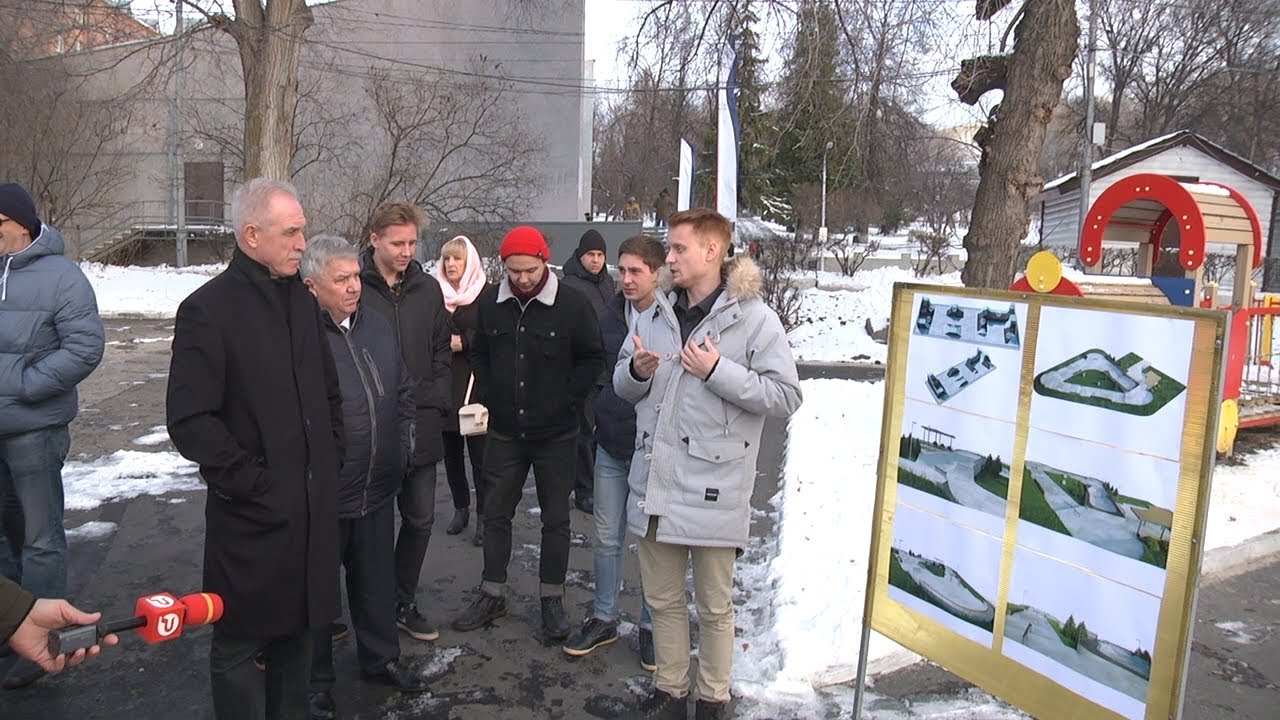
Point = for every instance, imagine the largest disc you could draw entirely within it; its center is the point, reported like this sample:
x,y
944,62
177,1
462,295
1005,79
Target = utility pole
x,y
176,161
1090,72
822,232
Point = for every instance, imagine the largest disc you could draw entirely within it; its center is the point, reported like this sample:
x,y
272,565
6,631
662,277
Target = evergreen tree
x,y
812,109
754,146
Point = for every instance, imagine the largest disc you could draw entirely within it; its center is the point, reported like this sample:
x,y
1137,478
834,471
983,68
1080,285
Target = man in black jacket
x,y
586,273
396,286
378,418
254,399
535,356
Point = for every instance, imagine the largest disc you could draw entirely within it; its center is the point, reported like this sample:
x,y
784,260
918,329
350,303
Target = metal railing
x,y
1260,372
97,237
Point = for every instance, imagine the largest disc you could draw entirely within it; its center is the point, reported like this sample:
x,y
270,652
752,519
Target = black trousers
x,y
367,545
417,503
455,468
242,692
506,467
584,482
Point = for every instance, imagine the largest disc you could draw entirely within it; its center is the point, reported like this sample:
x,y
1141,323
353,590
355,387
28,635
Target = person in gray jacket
x,y
51,338
705,368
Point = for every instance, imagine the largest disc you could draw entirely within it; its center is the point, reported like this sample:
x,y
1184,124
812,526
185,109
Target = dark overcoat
x,y
462,322
254,399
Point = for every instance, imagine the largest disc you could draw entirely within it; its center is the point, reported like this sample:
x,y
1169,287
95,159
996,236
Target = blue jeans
x,y
33,543
611,534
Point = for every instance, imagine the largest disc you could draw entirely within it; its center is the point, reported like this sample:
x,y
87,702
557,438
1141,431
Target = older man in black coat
x,y
254,399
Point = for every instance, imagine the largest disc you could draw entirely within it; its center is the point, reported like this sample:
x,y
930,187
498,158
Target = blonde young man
x,y
705,368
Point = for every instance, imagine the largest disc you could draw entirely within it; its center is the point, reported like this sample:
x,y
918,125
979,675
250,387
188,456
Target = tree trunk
x,y
1045,43
270,43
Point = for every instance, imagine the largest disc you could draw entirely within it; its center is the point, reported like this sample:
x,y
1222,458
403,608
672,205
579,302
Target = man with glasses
x,y
51,339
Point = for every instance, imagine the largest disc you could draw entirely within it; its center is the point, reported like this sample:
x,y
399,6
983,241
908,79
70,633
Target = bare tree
x,y
268,34
1046,35
934,251
458,148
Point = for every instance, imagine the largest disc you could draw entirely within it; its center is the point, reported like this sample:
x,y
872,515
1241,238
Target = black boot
x,y
660,706
708,710
554,621
478,538
483,610
461,518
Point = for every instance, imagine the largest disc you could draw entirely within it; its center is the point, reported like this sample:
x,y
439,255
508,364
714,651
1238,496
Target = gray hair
x,y
321,250
249,202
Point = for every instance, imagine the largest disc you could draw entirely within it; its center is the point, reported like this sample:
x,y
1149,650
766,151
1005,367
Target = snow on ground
x,y
157,436
126,474
151,292
816,581
92,530
833,315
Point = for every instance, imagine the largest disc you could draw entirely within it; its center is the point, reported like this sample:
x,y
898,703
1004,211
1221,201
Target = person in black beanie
x,y
586,273
51,339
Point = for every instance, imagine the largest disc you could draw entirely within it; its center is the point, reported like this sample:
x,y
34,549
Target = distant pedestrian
x,y
51,339
705,369
586,272
462,278
396,286
536,355
640,260
631,209
663,206
254,399
378,417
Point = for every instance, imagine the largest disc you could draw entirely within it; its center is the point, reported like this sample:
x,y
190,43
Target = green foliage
x,y
934,567
754,147
1154,552
1095,379
909,447
1035,508
1164,390
1015,608
911,480
1071,486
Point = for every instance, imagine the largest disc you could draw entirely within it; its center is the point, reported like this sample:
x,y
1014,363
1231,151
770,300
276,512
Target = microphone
x,y
158,618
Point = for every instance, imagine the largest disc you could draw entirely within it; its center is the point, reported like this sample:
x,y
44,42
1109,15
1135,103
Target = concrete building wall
x,y
538,52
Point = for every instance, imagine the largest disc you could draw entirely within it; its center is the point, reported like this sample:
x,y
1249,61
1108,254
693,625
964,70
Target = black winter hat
x,y
591,240
17,204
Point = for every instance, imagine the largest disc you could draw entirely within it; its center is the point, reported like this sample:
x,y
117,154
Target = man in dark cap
x,y
51,338
535,355
586,272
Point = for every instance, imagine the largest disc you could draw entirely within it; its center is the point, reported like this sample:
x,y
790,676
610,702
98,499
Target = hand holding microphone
x,y
158,618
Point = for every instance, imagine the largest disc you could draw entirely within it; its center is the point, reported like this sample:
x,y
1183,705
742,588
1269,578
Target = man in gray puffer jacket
x,y
705,367
51,338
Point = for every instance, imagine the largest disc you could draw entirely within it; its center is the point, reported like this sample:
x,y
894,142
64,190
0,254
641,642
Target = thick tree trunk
x,y
270,43
1045,43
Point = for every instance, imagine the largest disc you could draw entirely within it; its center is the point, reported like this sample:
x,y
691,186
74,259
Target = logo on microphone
x,y
168,624
161,601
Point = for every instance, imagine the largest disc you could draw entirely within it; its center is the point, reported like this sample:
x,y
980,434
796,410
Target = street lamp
x,y
827,149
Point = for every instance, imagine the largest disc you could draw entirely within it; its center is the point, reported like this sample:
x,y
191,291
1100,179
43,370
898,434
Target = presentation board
x,y
1043,481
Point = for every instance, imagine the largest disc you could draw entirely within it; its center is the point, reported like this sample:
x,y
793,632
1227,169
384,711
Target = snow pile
x,y
1245,500
150,292
832,323
126,474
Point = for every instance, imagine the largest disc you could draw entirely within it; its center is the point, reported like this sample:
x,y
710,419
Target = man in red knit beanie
x,y
535,355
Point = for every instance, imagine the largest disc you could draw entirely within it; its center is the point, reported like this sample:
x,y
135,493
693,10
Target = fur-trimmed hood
x,y
742,278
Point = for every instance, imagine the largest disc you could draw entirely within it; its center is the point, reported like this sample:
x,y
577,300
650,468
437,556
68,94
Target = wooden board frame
x,y
987,666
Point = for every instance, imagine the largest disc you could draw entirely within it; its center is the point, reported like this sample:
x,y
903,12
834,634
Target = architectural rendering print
x,y
980,325
1095,512
930,463
1128,385
1071,644
947,384
941,586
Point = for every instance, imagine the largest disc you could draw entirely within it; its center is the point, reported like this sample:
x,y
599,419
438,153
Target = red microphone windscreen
x,y
202,608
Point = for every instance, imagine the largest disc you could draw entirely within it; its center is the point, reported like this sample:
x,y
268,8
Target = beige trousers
x,y
662,572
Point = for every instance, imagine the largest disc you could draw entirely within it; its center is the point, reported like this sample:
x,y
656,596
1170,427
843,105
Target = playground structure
x,y
1151,212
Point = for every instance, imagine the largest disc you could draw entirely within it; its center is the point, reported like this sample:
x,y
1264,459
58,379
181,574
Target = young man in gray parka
x,y
705,368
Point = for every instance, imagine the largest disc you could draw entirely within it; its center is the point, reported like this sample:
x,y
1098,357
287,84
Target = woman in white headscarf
x,y
462,279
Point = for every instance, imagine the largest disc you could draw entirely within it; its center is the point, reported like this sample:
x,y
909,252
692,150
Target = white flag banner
x,y
684,199
727,138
